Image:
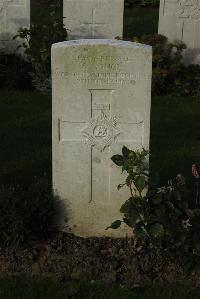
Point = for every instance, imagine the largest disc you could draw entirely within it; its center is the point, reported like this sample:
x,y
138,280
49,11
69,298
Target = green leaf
x,y
116,224
140,183
125,151
118,160
128,222
139,232
157,230
126,207
124,167
131,218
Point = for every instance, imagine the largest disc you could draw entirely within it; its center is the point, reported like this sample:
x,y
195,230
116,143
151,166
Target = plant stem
x,y
141,218
197,192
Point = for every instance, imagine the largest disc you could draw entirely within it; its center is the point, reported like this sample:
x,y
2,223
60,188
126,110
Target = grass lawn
x,y
175,135
25,121
33,289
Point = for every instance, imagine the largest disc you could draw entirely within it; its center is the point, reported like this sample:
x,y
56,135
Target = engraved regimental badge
x,y
101,131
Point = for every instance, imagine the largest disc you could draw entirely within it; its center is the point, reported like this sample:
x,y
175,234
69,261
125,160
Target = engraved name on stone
x,y
102,78
99,78
99,106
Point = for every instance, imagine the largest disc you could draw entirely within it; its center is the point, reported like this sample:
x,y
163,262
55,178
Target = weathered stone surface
x,y
180,20
101,101
93,18
14,14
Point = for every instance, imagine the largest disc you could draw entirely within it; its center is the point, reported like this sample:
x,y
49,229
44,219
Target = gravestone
x,y
93,18
180,20
101,101
14,14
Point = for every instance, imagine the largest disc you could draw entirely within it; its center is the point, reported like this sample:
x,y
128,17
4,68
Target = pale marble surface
x,y
180,20
14,14
93,18
101,101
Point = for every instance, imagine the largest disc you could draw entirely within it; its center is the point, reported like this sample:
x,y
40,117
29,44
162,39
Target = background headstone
x,y
13,15
101,101
180,20
93,18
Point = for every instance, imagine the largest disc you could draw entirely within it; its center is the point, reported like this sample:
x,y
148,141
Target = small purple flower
x,y
195,171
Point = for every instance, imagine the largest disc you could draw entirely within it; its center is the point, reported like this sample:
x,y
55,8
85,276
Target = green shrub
x,y
15,72
161,218
37,43
170,75
27,215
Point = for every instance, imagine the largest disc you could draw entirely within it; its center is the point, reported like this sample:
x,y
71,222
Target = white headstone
x,y
180,20
93,18
14,14
101,101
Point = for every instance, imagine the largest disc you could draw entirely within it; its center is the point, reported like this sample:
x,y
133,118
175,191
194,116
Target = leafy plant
x,y
37,43
170,75
159,216
26,215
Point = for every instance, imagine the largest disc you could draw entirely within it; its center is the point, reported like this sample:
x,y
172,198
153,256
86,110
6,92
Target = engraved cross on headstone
x,y
184,12
93,25
100,133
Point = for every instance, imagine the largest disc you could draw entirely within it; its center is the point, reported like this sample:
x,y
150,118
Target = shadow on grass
x,y
47,288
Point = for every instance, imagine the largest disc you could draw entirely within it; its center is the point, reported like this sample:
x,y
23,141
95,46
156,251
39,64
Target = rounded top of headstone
x,y
109,42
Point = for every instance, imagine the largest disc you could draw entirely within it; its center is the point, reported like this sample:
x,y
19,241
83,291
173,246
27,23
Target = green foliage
x,y
14,72
37,43
116,224
170,75
27,214
161,216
